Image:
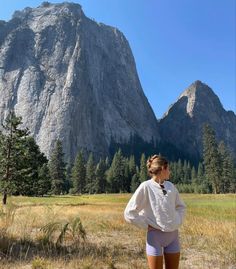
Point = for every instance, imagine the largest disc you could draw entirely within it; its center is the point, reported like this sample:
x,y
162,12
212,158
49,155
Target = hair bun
x,y
155,164
154,157
150,160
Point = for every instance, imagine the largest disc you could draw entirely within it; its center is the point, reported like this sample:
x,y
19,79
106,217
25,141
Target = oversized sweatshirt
x,y
149,206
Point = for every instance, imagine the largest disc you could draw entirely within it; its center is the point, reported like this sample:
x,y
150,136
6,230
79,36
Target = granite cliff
x,y
182,124
73,79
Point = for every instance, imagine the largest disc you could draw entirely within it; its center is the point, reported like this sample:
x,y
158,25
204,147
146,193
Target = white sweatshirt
x,y
149,206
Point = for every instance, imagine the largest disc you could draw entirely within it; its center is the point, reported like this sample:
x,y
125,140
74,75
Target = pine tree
x,y
186,172
173,174
200,173
233,183
11,151
143,168
189,173
44,180
116,173
68,181
132,172
134,183
90,175
193,174
132,166
30,162
202,184
127,176
107,162
57,168
100,175
79,174
179,172
227,169
211,158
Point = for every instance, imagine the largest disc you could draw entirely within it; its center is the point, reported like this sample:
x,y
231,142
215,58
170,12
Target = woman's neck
x,y
159,180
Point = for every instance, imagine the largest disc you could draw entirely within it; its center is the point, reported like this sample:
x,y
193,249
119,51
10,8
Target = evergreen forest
x,y
25,170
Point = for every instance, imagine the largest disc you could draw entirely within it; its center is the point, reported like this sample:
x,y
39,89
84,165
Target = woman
x,y
157,207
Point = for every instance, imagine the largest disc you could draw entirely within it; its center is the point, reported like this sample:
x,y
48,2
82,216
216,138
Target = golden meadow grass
x,y
208,234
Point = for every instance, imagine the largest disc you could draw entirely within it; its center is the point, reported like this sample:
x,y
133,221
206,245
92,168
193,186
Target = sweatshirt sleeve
x,y
180,206
132,213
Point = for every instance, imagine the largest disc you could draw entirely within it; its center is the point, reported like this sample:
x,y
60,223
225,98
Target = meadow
x,y
46,233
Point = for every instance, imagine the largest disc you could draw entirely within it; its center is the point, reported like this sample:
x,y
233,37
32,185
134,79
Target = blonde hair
x,y
155,164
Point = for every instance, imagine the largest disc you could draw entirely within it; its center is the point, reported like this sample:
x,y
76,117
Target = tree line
x,y
24,169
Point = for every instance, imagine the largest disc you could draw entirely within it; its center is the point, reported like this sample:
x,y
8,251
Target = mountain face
x,y
73,79
197,105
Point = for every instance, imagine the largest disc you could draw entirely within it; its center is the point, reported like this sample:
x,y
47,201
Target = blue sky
x,y
174,42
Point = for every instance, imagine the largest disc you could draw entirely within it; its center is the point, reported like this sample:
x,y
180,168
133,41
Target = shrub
x,y
39,263
57,232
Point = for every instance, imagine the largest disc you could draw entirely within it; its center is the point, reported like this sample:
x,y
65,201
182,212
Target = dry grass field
x,y
45,233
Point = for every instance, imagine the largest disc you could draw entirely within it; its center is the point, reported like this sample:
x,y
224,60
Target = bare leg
x,y
155,262
172,260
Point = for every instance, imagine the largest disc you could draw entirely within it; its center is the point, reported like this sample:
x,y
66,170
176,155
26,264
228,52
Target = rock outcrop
x,y
197,105
73,79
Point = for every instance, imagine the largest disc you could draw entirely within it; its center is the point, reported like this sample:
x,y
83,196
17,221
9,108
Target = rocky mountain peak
x,y
184,121
73,79
48,14
199,95
48,9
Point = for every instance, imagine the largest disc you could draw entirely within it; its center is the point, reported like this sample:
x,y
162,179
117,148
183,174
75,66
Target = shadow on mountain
x,y
137,146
